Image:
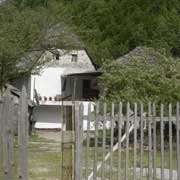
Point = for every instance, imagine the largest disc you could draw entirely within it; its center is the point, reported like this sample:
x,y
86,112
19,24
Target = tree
x,y
148,76
26,33
111,28
31,3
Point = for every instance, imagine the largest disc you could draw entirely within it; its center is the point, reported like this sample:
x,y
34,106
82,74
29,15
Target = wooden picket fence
x,y
13,165
141,142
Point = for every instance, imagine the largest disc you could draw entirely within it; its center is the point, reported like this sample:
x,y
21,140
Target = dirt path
x,y
50,135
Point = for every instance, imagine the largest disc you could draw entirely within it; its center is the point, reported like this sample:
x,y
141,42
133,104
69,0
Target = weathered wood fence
x,y
13,161
142,142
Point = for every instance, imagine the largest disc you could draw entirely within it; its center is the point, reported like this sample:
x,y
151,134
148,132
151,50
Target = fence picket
x,y
1,128
112,142
177,140
154,141
77,137
5,116
119,139
135,140
142,141
150,142
10,139
96,142
23,137
104,143
88,141
170,143
127,142
81,141
162,141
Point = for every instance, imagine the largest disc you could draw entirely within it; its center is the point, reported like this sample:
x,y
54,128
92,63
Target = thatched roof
x,y
140,53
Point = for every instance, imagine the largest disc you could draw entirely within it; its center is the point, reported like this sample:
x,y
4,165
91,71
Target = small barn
x,y
67,76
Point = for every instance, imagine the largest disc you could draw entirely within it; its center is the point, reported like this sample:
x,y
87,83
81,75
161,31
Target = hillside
x,y
114,27
107,28
111,28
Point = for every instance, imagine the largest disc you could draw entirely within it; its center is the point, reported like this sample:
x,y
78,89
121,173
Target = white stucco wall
x,y
48,114
48,82
49,117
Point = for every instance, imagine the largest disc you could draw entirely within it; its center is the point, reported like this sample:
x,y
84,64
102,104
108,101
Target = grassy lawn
x,y
45,160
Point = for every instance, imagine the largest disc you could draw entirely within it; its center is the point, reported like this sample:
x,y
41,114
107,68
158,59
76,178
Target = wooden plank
x,y
154,142
119,139
1,155
127,142
23,137
170,144
62,137
111,142
5,116
67,145
135,141
10,139
162,142
81,141
177,141
104,143
150,142
88,141
96,142
142,142
77,136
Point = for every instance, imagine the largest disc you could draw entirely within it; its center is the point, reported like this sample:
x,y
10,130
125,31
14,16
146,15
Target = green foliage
x,y
24,31
112,28
109,28
31,3
143,79
19,31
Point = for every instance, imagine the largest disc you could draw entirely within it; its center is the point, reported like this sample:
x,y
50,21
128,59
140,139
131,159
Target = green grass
x,y
45,160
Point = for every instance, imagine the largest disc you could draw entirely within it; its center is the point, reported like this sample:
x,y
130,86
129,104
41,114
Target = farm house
x,y
66,77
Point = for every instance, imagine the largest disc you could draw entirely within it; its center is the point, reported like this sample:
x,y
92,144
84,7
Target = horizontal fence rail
x,y
129,141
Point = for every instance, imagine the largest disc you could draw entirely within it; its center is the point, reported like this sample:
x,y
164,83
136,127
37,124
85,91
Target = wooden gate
x,y
11,160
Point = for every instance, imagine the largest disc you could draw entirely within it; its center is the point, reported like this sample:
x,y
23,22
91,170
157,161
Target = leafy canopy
x,y
25,33
151,77
112,28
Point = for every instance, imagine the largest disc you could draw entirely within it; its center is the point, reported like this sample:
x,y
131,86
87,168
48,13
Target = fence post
x,y
77,127
1,157
23,136
5,131
68,145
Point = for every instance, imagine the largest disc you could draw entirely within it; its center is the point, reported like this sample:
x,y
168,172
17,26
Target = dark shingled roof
x,y
140,53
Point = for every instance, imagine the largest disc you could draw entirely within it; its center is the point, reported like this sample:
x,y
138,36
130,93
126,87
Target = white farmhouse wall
x,y
48,82
48,114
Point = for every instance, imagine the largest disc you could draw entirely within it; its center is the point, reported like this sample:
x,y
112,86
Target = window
x,y
74,58
64,85
57,56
